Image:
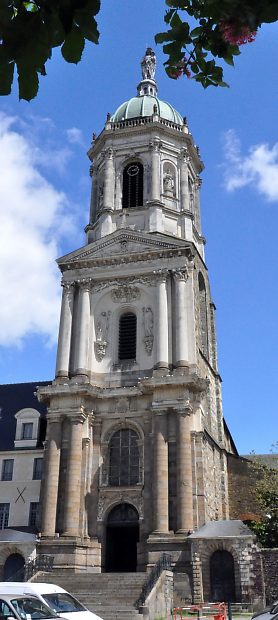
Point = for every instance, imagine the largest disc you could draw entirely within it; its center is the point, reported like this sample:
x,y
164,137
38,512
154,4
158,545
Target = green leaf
x,y
6,77
196,32
160,37
229,60
73,46
28,83
87,25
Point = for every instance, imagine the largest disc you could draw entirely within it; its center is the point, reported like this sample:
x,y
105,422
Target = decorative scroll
x,y
125,293
148,329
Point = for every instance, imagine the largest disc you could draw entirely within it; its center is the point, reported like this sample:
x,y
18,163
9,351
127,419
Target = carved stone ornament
x,y
125,293
148,329
102,330
122,405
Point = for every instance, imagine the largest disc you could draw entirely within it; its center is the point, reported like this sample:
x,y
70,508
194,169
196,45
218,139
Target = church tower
x,y
135,457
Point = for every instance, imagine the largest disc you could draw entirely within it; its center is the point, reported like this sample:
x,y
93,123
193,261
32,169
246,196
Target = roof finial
x,y
148,65
147,86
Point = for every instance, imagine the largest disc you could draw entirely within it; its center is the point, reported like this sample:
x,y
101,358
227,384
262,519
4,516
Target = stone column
x,y
73,477
93,502
184,471
162,348
160,474
197,185
184,158
82,329
155,146
94,205
181,335
108,188
51,476
147,475
65,331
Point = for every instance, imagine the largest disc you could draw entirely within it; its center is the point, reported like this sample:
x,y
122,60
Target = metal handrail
x,y
164,563
42,562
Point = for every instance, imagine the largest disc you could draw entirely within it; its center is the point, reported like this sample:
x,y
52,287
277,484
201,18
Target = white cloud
x,y
259,168
33,216
75,136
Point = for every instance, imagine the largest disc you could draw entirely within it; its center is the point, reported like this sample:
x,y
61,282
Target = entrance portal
x,y
122,535
222,577
14,567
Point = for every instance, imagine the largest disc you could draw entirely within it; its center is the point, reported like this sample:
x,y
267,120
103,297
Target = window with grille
x,y
127,336
27,430
132,186
37,469
124,458
7,469
4,515
34,514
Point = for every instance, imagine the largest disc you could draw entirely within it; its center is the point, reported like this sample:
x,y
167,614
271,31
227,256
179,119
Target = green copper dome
x,y
143,105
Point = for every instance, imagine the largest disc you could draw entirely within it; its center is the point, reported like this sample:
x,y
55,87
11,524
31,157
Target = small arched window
x,y
124,458
127,336
133,185
203,314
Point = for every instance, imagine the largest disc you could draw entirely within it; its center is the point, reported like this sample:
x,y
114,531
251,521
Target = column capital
x,y
77,418
180,274
160,275
109,153
85,283
185,155
197,183
184,410
155,145
68,286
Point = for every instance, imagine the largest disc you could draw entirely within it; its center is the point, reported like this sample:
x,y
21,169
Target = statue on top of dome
x,y
148,64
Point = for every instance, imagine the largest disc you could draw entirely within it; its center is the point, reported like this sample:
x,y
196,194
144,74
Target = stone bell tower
x,y
135,457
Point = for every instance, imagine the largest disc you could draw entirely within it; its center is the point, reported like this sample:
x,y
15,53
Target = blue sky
x,y
45,191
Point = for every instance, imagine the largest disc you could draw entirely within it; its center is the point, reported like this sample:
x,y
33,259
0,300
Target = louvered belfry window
x,y
124,458
127,336
133,186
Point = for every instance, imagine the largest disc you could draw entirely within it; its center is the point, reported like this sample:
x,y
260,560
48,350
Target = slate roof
x,y
13,397
222,529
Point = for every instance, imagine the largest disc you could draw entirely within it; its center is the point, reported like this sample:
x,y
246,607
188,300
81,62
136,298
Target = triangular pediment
x,y
120,243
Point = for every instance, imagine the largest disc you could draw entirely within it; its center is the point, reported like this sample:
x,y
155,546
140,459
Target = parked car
x,y
268,613
19,607
58,599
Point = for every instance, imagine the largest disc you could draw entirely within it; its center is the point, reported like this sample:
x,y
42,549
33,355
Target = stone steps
x,y
111,596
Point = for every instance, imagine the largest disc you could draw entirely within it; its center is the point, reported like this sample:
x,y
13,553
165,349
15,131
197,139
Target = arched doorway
x,y
122,535
222,576
14,567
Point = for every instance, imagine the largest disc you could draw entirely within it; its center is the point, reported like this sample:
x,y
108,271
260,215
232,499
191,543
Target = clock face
x,y
133,170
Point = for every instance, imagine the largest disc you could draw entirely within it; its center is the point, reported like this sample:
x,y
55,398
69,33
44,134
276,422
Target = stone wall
x,y
241,478
269,558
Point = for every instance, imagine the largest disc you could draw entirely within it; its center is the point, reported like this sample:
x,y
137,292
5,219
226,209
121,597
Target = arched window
x,y
133,185
203,314
124,458
127,336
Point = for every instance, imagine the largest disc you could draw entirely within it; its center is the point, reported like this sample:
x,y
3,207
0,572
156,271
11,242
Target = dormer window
x,y
133,186
27,428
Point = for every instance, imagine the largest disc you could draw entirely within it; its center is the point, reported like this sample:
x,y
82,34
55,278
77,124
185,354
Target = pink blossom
x,y
236,35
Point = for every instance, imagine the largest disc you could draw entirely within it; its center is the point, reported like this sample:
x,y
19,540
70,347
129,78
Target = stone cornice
x,y
119,260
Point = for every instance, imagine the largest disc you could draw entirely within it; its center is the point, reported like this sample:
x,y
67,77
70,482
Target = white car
x,y
20,607
58,599
269,613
